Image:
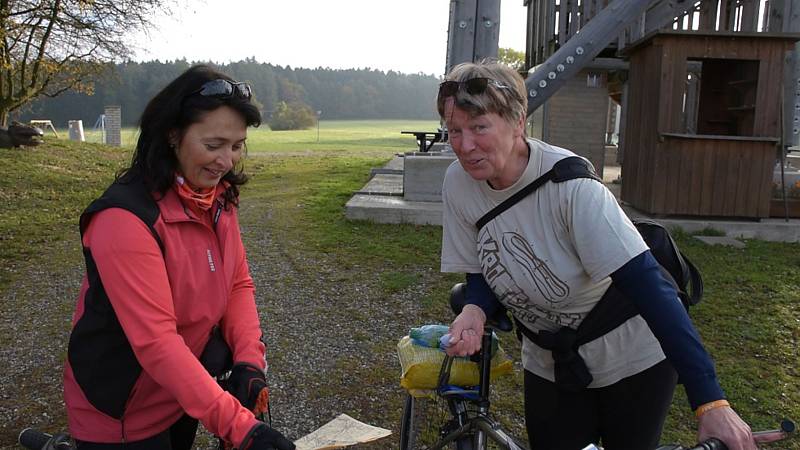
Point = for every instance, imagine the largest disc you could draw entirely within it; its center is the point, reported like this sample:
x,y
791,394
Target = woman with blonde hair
x,y
549,260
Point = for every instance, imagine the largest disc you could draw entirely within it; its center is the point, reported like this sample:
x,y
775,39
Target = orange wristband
x,y
706,407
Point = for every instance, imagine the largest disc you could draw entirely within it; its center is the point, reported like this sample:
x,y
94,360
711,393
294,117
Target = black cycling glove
x,y
262,437
248,384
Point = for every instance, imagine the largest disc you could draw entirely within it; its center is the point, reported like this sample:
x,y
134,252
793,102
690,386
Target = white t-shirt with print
x,y
548,259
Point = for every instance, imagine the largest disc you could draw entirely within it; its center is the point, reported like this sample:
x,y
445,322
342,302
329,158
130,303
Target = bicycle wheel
x,y
425,421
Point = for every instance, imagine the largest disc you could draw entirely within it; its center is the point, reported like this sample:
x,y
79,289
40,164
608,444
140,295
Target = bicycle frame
x,y
481,426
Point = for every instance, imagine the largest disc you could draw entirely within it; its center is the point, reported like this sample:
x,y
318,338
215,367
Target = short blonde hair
x,y
511,104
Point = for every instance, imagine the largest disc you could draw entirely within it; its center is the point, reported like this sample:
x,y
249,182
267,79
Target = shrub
x,y
292,116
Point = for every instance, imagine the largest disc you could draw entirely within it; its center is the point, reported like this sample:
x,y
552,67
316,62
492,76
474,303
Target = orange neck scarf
x,y
203,198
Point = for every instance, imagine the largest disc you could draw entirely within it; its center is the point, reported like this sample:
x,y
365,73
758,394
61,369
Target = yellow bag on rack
x,y
420,366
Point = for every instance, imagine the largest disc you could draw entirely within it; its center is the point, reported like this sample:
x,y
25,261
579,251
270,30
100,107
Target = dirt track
x,y
330,343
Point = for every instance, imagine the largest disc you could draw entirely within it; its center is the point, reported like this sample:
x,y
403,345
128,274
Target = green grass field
x,y
750,318
334,135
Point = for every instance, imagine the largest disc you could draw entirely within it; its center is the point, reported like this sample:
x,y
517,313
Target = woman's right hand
x,y
466,332
263,437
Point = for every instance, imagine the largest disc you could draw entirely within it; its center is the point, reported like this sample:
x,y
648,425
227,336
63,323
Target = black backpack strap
x,y
611,311
675,266
691,276
696,281
569,168
514,199
570,369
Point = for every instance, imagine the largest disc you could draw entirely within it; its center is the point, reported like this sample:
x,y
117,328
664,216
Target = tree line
x,y
338,94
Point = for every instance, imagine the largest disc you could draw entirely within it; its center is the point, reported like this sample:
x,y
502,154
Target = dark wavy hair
x,y
177,107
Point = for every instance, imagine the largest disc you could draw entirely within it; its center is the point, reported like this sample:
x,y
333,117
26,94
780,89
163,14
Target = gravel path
x,y
330,344
34,325
330,336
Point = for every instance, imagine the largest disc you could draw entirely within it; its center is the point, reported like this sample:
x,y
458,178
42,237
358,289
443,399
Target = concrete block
x,y
610,158
387,209
381,201
774,230
721,240
423,176
441,147
384,184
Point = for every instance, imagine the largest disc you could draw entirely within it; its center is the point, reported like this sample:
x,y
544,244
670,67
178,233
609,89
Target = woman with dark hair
x,y
167,303
550,259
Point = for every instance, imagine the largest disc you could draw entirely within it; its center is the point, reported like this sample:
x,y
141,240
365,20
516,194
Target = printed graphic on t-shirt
x,y
551,288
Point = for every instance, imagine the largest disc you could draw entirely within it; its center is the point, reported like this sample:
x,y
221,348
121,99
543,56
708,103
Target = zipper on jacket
x,y
125,409
216,213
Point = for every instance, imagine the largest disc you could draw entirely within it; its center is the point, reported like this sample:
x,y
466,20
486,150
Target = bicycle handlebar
x,y
786,426
711,444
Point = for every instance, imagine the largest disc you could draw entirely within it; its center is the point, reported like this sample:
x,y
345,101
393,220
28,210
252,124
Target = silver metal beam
x,y
579,51
474,31
605,26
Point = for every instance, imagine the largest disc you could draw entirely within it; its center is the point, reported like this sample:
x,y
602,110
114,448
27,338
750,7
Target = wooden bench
x,y
426,139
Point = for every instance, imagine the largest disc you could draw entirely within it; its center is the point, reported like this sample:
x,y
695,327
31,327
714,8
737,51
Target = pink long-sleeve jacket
x,y
158,280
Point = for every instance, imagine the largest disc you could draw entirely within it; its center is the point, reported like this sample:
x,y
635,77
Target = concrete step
x,y
381,200
392,209
390,184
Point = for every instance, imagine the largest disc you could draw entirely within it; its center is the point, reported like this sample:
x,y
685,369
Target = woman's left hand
x,y
724,424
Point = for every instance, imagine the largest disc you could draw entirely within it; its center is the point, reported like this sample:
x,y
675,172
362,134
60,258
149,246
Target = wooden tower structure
x,y
707,89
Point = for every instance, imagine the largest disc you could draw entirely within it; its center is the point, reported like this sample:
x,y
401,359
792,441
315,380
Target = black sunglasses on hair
x,y
473,86
225,89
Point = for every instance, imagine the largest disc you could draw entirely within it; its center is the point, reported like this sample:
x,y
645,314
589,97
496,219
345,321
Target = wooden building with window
x,y
705,90
704,122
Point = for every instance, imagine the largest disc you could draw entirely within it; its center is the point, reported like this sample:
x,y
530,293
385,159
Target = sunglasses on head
x,y
473,86
225,89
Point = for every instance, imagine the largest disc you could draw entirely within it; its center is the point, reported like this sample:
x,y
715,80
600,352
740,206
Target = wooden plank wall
x,y
708,16
550,30
698,176
709,177
734,15
641,120
552,23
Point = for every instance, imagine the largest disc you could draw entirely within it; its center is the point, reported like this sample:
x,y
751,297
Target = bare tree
x,y
50,46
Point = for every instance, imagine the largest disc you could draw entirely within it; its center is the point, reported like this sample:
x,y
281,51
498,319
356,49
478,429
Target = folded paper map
x,y
342,431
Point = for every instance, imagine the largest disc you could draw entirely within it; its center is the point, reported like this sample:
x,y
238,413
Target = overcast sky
x,y
408,36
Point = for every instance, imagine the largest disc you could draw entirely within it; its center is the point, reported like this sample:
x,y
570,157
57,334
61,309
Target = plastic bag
x,y
420,366
428,335
432,335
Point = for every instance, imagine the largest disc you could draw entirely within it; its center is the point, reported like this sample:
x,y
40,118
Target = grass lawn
x,y
333,135
750,318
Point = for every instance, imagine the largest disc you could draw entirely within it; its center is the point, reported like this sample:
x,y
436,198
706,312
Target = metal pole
x,y
784,149
319,115
473,31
